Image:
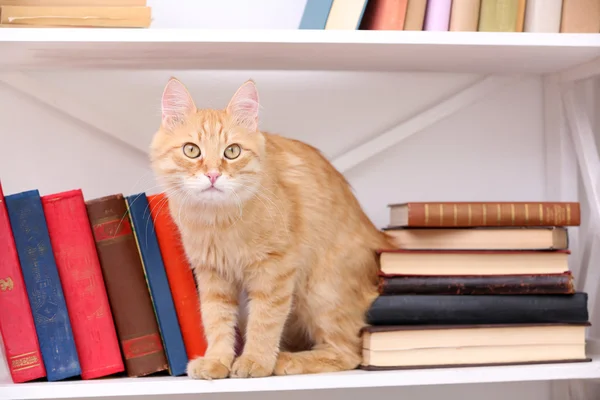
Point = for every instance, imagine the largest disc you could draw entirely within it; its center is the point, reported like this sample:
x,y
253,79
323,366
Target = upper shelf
x,y
479,52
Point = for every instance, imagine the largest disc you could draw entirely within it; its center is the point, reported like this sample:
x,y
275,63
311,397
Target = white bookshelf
x,y
349,380
483,52
563,60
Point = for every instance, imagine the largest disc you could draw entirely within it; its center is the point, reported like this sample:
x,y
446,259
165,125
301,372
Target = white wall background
x,y
492,150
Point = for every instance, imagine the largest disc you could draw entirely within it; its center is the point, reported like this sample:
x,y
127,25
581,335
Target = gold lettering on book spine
x,y
455,208
484,215
498,214
568,214
512,214
426,214
6,284
526,214
541,209
24,361
441,214
470,214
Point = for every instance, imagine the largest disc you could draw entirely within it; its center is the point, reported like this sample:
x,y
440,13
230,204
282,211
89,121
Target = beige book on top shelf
x,y
543,16
580,16
415,15
465,15
75,3
109,17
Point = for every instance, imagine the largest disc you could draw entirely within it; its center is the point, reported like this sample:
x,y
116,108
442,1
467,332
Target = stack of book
x,y
550,16
477,284
75,13
94,288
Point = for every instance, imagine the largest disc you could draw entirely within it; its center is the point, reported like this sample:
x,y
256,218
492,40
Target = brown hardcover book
x,y
137,328
464,16
384,15
479,214
99,17
459,263
405,347
503,238
580,16
478,284
415,15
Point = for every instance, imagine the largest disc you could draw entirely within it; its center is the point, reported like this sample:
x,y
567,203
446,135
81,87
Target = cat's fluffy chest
x,y
231,251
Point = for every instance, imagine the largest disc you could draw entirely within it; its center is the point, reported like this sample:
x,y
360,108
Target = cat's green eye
x,y
191,150
232,152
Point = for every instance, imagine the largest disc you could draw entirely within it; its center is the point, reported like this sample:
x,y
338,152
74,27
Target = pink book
x,y
437,16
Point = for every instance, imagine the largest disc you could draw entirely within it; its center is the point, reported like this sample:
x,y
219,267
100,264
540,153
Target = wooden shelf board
x,y
350,379
477,52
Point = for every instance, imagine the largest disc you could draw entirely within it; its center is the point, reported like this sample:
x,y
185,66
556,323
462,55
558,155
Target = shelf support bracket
x,y
586,150
73,108
421,120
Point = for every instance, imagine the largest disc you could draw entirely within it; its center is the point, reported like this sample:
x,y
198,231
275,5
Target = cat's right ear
x,y
176,104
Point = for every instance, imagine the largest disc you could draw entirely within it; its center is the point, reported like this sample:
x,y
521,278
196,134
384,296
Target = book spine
x,y
154,269
499,15
128,295
43,285
180,276
521,15
580,16
75,3
124,17
477,309
385,15
415,15
477,285
315,14
81,277
464,16
17,328
543,16
437,16
445,215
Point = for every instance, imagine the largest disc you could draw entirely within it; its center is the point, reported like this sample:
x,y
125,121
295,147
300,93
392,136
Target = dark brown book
x,y
480,284
480,214
129,297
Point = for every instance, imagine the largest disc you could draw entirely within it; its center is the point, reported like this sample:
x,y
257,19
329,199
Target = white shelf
x,y
346,380
481,52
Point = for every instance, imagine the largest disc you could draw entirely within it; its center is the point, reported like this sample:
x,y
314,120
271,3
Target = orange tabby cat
x,y
269,216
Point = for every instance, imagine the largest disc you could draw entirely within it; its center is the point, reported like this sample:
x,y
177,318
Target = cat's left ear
x,y
176,103
243,106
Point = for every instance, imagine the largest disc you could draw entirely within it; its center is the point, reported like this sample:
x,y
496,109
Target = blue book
x,y
42,282
315,14
164,308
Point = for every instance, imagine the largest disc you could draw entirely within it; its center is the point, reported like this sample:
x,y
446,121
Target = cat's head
x,y
206,155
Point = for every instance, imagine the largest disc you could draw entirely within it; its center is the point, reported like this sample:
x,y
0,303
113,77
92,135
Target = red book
x,y
83,285
21,344
180,277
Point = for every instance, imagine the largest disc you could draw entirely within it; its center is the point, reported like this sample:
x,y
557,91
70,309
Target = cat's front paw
x,y
207,368
251,366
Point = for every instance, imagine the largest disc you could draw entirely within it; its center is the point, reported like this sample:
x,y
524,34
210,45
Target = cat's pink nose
x,y
213,176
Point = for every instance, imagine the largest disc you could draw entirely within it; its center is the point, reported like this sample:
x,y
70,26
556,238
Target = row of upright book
x,y
551,16
75,14
477,284
94,288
